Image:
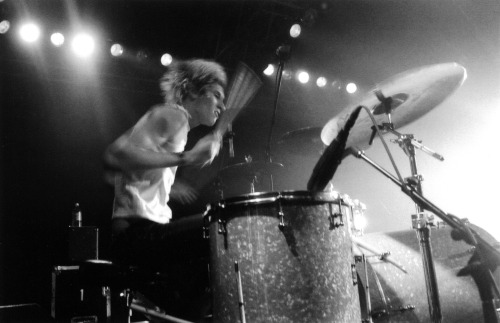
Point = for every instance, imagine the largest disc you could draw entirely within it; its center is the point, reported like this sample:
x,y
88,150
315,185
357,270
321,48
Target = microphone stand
x,y
484,251
283,53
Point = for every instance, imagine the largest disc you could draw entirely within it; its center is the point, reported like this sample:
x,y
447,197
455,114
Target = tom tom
x,y
282,257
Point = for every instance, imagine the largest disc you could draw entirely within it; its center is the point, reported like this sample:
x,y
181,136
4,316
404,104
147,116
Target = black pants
x,y
176,256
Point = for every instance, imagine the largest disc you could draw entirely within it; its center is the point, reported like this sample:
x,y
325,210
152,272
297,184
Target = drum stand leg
x,y
368,300
241,303
142,308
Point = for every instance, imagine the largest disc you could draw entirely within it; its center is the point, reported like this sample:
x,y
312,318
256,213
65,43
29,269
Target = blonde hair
x,y
190,78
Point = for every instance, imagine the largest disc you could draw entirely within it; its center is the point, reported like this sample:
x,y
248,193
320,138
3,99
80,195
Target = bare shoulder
x,y
169,119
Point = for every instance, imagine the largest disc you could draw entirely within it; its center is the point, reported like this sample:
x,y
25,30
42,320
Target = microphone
x,y
283,52
328,162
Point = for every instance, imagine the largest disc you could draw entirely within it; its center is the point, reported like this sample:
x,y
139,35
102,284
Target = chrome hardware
x,y
336,218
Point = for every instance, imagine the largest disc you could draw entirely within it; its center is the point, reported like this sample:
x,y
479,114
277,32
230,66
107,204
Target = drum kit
x,y
297,256
302,256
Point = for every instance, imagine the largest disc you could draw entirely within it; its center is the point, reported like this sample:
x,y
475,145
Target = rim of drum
x,y
270,197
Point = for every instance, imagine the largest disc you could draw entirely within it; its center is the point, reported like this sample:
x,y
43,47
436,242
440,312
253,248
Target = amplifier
x,y
83,243
71,303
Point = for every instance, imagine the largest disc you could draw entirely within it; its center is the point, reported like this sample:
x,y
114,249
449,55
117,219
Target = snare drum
x,y
282,257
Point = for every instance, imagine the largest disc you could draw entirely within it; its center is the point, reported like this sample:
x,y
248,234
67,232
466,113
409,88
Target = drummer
x,y
144,160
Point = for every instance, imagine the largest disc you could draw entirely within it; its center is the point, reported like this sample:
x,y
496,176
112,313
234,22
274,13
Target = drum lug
x,y
281,215
222,223
336,218
354,274
222,227
206,227
206,222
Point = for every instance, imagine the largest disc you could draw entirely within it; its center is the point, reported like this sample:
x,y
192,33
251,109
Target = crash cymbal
x,y
251,169
305,141
414,93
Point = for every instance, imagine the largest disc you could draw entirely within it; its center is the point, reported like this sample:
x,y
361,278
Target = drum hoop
x,y
285,196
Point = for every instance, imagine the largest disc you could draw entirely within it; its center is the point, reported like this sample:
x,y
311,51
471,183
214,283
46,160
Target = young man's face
x,y
210,105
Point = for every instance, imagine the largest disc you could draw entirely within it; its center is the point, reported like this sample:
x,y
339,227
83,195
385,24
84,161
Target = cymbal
x,y
304,141
414,93
252,168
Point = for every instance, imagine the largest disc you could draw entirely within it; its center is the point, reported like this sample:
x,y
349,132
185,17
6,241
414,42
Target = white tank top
x,y
145,194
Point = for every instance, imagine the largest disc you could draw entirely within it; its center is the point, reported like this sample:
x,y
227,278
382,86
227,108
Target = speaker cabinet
x,y
83,243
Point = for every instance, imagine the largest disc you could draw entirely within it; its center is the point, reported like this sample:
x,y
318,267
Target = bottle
x,y
76,216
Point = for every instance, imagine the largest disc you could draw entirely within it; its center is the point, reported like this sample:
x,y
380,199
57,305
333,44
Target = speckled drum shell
x,y
300,273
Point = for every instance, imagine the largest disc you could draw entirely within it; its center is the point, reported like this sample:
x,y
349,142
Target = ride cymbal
x,y
413,93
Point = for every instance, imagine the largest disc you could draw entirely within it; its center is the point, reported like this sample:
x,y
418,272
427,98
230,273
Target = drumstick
x,y
243,88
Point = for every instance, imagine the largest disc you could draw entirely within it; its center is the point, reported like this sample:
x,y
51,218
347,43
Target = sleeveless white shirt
x,y
145,193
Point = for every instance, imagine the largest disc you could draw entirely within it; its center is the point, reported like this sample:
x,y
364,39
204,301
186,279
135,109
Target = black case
x,y
71,303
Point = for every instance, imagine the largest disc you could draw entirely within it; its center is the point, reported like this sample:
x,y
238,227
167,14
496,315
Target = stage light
x,y
4,26
83,45
287,75
359,221
166,59
269,70
337,84
142,55
116,50
295,30
351,88
29,32
321,81
303,77
57,39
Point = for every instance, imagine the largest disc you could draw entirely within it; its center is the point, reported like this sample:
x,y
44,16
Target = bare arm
x,y
131,150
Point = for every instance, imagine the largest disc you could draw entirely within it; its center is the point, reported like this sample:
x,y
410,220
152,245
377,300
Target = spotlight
x,y
57,39
142,55
116,50
269,70
295,30
29,32
287,75
337,84
351,88
4,26
321,81
303,77
166,59
83,45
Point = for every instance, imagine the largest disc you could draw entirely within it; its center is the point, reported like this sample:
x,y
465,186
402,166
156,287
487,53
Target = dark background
x,y
58,113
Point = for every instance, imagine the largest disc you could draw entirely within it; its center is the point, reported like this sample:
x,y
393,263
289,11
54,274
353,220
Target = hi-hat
x,y
305,141
413,93
250,169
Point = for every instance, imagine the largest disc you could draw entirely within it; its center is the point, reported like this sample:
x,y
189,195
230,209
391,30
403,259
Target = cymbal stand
x,y
420,221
